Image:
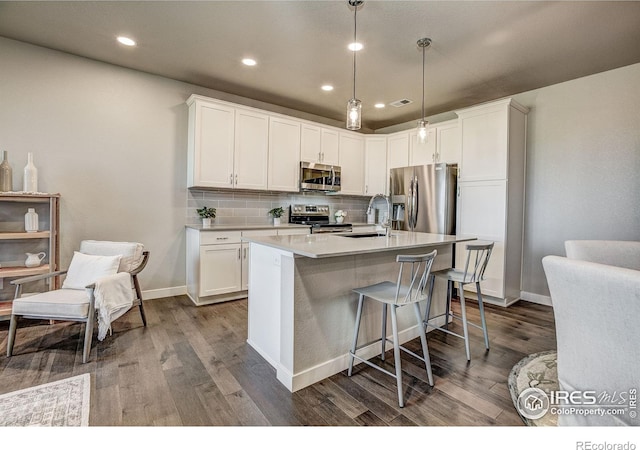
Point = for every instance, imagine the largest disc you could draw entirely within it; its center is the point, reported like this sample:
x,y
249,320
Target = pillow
x,y
86,269
131,252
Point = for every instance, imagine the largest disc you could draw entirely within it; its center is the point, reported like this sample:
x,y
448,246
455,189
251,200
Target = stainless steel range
x,y
318,217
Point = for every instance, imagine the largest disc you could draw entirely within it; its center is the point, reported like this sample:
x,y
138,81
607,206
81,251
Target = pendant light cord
x,y
423,50
355,25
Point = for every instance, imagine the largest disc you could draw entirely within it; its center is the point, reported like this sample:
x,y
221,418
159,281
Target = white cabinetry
x,y
319,144
352,164
251,150
398,150
491,191
375,166
217,263
284,155
442,145
210,144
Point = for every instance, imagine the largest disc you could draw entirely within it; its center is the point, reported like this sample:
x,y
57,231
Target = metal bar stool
x,y
396,295
477,257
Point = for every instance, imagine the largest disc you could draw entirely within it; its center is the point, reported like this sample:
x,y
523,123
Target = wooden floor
x,y
192,366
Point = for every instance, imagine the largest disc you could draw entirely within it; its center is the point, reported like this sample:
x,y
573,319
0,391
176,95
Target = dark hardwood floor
x,y
192,366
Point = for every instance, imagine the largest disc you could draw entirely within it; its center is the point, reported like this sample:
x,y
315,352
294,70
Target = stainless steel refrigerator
x,y
424,198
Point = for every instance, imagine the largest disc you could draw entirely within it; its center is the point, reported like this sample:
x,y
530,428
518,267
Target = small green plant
x,y
207,213
277,212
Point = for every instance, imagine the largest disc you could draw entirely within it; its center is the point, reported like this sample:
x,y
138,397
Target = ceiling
x,y
481,50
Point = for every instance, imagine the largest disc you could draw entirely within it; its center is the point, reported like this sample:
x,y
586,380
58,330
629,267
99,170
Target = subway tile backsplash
x,y
252,208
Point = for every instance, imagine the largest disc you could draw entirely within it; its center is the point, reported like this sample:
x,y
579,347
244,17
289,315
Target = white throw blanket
x,y
113,298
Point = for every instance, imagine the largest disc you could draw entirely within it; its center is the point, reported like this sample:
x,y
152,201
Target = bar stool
x,y
397,295
478,257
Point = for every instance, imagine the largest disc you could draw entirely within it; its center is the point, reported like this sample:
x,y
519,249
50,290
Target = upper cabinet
x,y
398,150
251,150
352,148
210,144
319,144
488,136
442,145
284,155
375,165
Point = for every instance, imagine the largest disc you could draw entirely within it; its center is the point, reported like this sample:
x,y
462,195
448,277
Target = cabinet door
x,y
422,153
251,150
310,148
448,142
329,146
220,269
375,165
482,213
351,164
284,155
211,145
246,251
485,139
398,150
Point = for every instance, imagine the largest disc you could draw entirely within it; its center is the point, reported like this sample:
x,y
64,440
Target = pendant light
x,y
422,123
354,106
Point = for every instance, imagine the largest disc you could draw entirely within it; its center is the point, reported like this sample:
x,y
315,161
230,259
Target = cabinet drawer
x,y
220,237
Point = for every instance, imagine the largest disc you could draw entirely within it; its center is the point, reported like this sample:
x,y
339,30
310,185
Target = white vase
x,y
339,219
276,221
206,222
30,175
31,221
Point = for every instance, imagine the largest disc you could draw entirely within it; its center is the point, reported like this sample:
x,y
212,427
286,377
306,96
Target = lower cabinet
x,y
217,263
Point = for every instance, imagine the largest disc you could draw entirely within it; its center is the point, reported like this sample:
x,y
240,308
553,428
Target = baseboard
x,y
536,298
302,379
164,292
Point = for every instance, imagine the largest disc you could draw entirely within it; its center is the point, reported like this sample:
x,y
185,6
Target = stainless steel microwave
x,y
319,177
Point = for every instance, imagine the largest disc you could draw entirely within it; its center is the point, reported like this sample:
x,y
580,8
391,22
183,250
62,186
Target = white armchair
x,y
96,262
596,304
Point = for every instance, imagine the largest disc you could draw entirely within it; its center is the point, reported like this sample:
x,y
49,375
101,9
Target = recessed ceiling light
x,y
355,46
249,62
327,87
126,41
379,105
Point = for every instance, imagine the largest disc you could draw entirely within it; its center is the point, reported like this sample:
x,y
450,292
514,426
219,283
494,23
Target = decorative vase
x,y
31,221
339,219
206,222
30,175
6,175
276,221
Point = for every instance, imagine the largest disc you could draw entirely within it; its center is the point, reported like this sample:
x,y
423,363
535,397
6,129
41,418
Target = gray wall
x,y
583,166
112,141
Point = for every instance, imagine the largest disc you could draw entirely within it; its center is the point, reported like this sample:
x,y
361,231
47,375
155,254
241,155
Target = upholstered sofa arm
x,y
613,253
43,276
596,309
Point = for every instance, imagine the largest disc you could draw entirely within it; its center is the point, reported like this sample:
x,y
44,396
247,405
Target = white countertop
x,y
259,227
327,245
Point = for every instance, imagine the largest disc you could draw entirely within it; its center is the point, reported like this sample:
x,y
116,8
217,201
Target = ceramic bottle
x,y
31,221
30,175
6,175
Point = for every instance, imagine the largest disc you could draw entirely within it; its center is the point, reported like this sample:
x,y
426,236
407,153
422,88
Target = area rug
x,y
62,403
532,373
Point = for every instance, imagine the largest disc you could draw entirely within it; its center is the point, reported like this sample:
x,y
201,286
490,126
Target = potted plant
x,y
206,214
277,213
340,215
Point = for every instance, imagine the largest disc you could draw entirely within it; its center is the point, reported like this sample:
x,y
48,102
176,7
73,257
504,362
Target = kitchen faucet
x,y
387,223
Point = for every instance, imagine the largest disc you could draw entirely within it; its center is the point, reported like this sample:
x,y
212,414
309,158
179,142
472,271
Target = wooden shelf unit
x,y
14,241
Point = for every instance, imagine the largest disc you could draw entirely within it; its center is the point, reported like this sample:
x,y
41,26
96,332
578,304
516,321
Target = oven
x,y
317,216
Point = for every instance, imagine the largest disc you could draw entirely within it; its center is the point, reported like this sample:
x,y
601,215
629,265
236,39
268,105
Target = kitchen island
x,y
301,305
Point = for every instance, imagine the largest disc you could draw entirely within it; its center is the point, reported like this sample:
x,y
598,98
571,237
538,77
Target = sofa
x,y
595,292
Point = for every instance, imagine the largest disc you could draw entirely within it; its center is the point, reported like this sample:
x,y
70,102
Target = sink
x,y
363,235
